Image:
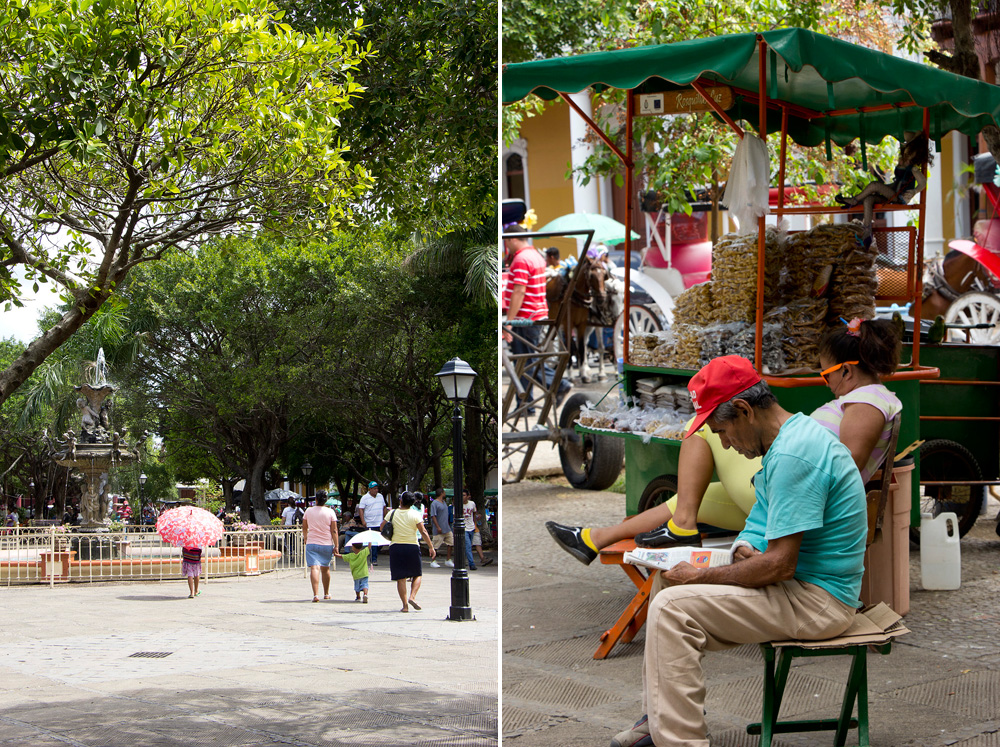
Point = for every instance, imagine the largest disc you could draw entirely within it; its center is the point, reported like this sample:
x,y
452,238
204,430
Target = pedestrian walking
x,y
319,535
371,512
469,514
358,560
191,569
441,531
404,552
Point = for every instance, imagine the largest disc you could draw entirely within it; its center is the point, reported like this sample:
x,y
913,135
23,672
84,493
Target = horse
x,y
587,293
948,278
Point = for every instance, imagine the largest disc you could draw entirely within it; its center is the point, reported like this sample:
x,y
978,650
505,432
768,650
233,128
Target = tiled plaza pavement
x,y
940,685
252,661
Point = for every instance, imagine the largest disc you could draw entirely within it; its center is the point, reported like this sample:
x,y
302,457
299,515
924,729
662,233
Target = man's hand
x,y
682,573
743,552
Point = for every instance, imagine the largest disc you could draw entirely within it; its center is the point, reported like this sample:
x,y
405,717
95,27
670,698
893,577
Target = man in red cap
x,y
796,567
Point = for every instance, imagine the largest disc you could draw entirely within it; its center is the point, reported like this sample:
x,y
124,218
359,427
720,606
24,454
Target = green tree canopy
x,y
196,119
426,127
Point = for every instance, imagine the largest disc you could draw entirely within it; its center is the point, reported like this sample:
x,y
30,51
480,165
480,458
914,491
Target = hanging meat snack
x,y
734,274
695,305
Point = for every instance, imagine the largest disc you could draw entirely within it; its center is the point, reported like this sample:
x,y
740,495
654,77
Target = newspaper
x,y
699,557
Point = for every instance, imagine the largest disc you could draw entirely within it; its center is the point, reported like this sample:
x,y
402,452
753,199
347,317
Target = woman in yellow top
x,y
404,553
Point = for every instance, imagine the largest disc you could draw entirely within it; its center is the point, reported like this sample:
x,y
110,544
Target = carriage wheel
x,y
589,461
942,460
975,308
641,319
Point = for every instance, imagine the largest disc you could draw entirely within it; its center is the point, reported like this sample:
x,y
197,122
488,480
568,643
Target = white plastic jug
x,y
940,553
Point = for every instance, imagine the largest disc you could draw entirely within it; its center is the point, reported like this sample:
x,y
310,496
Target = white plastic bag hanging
x,y
747,195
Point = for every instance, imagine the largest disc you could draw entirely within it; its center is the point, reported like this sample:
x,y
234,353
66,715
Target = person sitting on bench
x,y
853,358
796,566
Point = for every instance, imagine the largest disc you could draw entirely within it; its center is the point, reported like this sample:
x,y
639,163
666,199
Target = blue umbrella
x,y
606,230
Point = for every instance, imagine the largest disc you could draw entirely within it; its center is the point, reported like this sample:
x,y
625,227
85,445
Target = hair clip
x,y
853,326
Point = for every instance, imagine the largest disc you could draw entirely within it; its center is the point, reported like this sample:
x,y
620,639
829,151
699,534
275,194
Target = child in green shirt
x,y
358,560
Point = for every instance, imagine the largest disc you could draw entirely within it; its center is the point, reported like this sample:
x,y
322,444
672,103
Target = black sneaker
x,y
637,736
569,539
663,537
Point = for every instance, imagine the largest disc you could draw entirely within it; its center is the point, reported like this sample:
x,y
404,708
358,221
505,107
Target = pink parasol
x,y
189,526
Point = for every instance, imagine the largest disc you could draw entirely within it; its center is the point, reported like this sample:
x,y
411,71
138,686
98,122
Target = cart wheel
x,y
975,308
589,461
660,490
641,319
948,460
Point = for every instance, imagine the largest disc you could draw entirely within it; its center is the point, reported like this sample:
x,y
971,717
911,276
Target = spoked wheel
x,y
589,461
660,490
942,460
641,319
975,308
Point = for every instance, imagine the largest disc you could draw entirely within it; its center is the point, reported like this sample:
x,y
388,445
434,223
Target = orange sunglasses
x,y
831,369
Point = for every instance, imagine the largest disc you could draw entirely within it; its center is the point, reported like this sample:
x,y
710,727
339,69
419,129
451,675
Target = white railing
x,y
55,555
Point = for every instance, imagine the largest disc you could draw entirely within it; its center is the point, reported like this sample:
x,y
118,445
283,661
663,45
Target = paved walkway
x,y
940,685
252,661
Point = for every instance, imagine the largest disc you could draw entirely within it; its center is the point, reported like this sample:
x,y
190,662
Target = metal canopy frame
x,y
915,282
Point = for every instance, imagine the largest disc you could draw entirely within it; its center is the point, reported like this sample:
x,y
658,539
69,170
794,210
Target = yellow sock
x,y
680,532
585,536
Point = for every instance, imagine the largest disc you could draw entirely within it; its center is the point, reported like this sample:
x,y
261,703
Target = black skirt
x,y
404,561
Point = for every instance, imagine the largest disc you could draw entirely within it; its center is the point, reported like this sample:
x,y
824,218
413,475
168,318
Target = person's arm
x,y
427,539
860,430
437,525
361,516
517,293
336,537
305,531
752,570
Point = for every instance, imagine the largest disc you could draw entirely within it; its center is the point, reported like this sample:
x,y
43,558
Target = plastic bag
x,y
747,195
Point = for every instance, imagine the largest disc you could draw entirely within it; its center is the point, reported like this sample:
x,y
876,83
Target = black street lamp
x,y
142,481
307,470
457,377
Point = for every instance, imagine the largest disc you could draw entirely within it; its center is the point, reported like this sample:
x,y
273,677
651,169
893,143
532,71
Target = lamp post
x,y
307,470
457,377
142,481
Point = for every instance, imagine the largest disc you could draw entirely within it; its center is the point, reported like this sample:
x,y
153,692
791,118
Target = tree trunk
x,y
436,466
473,453
253,496
36,353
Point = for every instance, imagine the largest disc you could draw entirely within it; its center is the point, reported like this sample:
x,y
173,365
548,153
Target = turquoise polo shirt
x,y
809,483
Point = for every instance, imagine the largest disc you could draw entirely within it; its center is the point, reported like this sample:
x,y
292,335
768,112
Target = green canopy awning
x,y
816,73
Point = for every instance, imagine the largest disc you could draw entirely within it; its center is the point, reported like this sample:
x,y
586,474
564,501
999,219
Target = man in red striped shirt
x,y
524,295
524,298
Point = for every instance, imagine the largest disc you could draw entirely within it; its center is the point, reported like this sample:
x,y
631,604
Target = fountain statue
x,y
95,450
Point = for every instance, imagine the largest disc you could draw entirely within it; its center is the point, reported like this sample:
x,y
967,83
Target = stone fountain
x,y
93,452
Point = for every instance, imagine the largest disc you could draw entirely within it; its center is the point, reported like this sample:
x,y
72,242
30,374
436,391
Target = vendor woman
x,y
853,358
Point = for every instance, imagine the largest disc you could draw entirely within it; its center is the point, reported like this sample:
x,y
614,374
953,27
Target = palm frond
x,y
48,386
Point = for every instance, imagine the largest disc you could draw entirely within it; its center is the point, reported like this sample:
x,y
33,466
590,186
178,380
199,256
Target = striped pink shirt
x,y
528,269
831,414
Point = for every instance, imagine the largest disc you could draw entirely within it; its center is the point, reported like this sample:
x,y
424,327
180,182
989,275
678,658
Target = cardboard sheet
x,y
873,625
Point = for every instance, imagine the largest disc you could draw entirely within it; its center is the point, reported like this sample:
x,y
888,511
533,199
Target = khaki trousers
x,y
685,621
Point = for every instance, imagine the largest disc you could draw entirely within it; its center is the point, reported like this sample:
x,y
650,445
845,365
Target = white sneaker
x,y
449,564
435,564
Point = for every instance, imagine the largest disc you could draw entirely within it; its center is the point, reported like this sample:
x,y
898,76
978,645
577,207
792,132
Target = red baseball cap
x,y
721,380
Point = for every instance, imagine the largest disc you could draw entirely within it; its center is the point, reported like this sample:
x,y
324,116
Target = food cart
x,y
815,91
